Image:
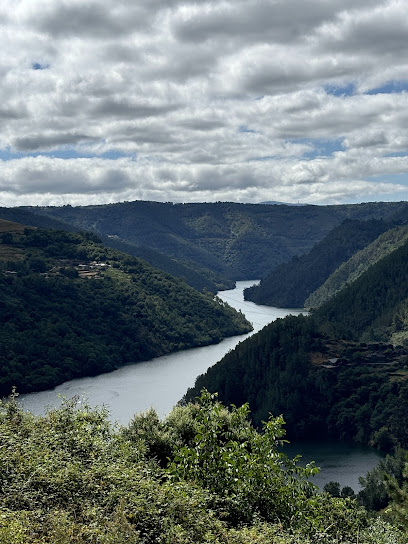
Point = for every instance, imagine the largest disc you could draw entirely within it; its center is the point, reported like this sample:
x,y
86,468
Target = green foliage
x,y
352,269
397,509
58,326
246,469
333,488
70,477
290,284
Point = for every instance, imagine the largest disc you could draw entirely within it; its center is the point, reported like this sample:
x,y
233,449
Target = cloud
x,y
247,100
47,141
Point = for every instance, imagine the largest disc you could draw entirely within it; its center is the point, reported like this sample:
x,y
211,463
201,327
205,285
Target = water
x,y
342,462
160,382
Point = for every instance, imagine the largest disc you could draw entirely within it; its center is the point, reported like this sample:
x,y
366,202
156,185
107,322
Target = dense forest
x,y
324,388
234,241
374,307
290,284
339,372
201,278
361,261
202,475
72,307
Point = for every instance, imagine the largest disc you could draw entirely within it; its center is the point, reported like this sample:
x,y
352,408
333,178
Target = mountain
x,y
234,241
290,284
204,279
352,269
375,306
341,372
71,307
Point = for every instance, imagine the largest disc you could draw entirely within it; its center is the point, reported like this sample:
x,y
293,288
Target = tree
x,y
7,238
333,488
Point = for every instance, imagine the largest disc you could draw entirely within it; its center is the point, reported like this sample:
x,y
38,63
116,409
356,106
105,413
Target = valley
x,y
74,306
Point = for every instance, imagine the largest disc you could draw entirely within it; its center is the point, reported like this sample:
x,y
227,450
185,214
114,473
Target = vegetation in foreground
x,y
203,475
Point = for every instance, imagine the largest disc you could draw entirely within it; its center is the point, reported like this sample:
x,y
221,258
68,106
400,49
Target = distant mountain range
x,y
210,245
276,203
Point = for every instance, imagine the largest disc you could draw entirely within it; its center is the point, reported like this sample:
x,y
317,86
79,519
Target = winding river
x,y
161,382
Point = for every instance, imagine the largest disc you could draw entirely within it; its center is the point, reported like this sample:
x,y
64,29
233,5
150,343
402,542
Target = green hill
x,y
234,241
72,307
290,284
374,306
338,372
203,279
352,269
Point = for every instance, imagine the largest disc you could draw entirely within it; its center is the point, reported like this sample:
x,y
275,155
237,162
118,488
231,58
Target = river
x,y
161,382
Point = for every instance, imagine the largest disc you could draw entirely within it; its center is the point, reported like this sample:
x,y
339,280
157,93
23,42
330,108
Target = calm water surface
x,y
342,462
162,382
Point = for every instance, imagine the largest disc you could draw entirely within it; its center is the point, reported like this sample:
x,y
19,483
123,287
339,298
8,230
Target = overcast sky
x,y
238,100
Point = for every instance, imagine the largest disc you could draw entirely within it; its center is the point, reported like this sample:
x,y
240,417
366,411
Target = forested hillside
x,y
72,307
290,284
203,475
352,269
235,241
375,306
203,279
329,374
322,387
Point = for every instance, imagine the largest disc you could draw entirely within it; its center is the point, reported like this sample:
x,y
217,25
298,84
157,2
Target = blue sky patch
x,y
397,179
340,90
397,154
321,147
39,66
390,87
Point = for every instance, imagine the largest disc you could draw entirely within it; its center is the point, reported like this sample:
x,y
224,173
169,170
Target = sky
x,y
302,101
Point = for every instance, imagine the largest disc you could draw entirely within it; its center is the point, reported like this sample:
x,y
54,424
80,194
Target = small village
x,y
71,268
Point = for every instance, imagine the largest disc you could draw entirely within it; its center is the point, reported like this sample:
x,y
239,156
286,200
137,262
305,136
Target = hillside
x,y
290,284
203,279
374,306
324,387
352,269
72,307
336,372
203,475
236,241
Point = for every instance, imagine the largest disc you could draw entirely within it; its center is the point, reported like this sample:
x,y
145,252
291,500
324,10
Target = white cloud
x,y
246,100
